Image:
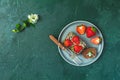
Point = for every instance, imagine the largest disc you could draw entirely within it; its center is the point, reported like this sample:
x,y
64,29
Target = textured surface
x,y
30,55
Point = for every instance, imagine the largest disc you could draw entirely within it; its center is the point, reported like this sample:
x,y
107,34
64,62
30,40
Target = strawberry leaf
x,y
93,29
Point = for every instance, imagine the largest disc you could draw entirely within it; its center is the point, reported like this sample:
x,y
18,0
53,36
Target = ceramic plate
x,y
71,27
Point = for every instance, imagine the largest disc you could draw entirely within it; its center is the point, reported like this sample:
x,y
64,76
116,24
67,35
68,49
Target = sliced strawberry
x,y
96,40
67,43
81,29
77,49
91,31
76,40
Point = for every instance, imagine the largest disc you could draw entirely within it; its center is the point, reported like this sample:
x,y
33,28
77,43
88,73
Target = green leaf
x,y
32,25
94,29
25,21
15,30
24,25
22,28
18,26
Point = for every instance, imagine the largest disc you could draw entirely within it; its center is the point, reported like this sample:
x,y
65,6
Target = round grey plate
x,y
71,27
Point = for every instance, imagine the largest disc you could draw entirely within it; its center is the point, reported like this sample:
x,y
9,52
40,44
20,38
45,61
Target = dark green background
x,y
30,55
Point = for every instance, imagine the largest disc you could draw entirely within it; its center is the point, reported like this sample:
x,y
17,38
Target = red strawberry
x,y
91,31
67,43
77,48
81,29
76,39
96,40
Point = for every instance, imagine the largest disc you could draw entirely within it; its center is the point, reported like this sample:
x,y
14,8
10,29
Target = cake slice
x,y
89,52
74,43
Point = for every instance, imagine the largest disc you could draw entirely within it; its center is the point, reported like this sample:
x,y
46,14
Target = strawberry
x,y
81,29
77,49
67,43
76,39
91,31
96,40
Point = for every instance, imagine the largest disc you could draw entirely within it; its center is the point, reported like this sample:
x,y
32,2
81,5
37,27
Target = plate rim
x,y
94,60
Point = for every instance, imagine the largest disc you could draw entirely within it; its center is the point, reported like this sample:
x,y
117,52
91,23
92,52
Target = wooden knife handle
x,y
56,42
